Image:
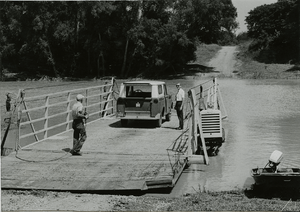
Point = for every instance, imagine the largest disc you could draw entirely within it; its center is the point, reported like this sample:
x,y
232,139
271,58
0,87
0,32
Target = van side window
x,y
160,89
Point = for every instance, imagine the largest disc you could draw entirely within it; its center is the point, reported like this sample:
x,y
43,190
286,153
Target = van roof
x,y
150,82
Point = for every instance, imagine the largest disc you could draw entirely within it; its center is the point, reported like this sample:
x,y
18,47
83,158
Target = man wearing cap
x,y
179,105
79,135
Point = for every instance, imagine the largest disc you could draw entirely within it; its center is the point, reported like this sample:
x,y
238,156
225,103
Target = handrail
x,y
41,119
61,103
40,109
43,130
210,95
200,84
222,104
75,90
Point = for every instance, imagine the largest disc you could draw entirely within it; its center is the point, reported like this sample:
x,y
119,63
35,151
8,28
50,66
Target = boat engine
x,y
275,160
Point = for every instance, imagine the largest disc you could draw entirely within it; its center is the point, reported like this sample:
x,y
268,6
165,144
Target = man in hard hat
x,y
79,135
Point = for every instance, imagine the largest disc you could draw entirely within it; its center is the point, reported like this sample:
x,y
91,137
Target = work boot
x,y
75,153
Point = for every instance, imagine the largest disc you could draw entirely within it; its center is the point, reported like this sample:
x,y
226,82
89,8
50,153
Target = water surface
x,y
263,116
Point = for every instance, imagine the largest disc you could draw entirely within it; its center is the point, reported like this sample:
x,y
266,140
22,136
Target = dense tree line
x,y
104,38
276,31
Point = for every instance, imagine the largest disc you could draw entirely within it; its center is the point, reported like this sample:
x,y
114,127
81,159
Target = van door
x,y
157,100
138,97
168,100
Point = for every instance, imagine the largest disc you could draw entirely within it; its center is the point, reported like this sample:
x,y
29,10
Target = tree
x,y
273,28
206,20
123,38
11,37
159,48
32,30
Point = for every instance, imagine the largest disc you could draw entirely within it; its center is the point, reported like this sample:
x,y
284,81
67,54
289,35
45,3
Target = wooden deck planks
x,y
128,159
76,174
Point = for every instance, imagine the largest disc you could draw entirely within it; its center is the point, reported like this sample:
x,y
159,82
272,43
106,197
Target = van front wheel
x,y
159,121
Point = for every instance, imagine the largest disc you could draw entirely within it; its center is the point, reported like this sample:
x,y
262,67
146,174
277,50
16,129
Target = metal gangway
x,y
203,133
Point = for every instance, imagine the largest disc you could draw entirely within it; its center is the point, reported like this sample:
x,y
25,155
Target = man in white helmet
x,y
79,135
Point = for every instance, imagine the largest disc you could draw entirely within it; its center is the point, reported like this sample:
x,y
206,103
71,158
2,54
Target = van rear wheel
x,y
168,117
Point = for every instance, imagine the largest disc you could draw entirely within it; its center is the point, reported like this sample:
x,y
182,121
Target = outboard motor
x,y
275,160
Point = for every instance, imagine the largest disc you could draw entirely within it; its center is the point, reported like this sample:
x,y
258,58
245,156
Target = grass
x,y
205,52
208,201
251,69
235,200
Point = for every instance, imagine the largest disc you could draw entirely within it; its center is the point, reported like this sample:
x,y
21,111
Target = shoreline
x,y
234,200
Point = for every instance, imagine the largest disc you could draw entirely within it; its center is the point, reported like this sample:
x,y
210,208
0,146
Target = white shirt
x,y
180,95
77,107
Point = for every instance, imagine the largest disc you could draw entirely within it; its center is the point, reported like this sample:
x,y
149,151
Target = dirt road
x,y
224,62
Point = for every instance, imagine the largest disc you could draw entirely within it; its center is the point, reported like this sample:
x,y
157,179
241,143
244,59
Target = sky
x,y
243,8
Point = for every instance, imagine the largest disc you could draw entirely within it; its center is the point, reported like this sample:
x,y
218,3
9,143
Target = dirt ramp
x,y
225,61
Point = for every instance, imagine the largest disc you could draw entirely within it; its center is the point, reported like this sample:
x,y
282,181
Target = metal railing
x,y
208,95
50,114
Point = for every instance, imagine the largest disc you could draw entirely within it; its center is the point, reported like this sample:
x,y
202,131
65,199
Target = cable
x,y
17,144
286,204
36,161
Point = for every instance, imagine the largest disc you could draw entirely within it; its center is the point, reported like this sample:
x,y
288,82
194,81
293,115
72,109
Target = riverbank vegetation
x,y
271,47
274,29
109,38
208,201
71,40
199,201
249,68
205,52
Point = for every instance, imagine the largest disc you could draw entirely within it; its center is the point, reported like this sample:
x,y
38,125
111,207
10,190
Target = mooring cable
x,y
286,204
39,161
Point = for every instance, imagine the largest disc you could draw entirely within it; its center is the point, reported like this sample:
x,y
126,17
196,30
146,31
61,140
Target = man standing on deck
x,y
79,135
179,105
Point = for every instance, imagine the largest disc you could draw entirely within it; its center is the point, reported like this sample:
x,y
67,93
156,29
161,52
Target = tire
x,y
168,117
124,122
159,121
223,135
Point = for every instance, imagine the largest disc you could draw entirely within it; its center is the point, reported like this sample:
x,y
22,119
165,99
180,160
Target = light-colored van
x,y
144,100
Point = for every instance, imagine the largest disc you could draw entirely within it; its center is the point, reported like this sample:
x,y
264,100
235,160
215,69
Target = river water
x,y
263,116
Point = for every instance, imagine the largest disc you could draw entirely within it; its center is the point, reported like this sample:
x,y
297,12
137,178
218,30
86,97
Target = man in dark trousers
x,y
79,135
179,105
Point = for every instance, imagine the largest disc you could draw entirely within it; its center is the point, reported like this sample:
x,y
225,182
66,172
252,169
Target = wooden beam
x,y
30,120
198,123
